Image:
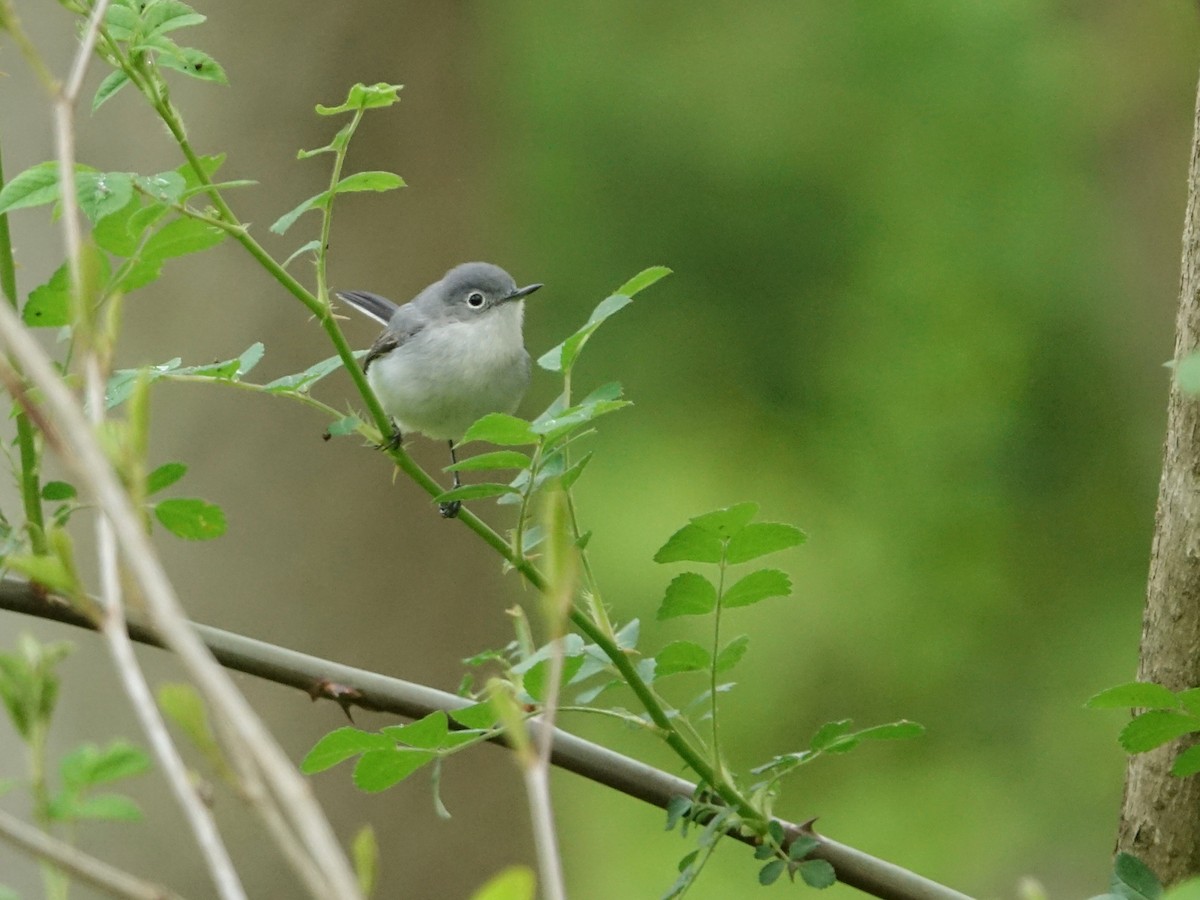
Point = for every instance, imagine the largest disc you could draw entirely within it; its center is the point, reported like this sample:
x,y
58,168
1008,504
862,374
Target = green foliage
x,y
514,883
89,767
1165,716
365,851
29,684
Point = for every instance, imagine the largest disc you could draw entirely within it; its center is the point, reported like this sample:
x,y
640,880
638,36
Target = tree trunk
x,y
1160,814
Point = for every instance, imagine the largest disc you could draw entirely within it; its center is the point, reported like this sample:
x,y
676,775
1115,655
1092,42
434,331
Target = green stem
x,y
31,491
594,632
339,159
716,648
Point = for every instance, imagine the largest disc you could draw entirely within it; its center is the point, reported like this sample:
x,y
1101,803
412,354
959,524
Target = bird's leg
x,y
450,510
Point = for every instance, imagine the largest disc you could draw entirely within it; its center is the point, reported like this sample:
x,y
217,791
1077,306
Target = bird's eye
x,y
475,300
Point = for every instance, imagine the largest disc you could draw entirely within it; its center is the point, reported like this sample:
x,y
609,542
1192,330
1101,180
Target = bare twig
x,y
81,866
371,691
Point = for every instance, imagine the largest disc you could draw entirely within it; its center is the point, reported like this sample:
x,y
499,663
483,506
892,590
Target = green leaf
x,y
817,873
690,544
830,735
643,280
892,731
801,847
536,679
688,594
1154,728
288,219
378,770
191,518
311,246
36,186
732,653
121,383
427,733
571,475
500,429
364,849
1138,694
112,83
47,571
112,233
1133,879
164,476
87,765
562,357
761,538
770,873
49,304
301,381
168,15
182,704
475,492
103,193
167,187
728,522
500,459
513,883
121,21
1187,762
362,96
181,236
369,181
681,656
340,745
105,807
195,63
478,715
232,369
58,490
208,165
757,586
555,425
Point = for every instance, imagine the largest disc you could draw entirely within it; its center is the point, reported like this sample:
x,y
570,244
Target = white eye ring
x,y
475,300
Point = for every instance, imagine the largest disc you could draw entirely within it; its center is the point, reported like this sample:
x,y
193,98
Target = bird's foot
x,y
450,510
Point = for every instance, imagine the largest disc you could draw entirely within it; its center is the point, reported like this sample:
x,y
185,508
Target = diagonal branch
x,y
371,691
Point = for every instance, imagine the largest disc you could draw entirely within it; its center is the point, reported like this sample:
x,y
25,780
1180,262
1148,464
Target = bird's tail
x,y
373,305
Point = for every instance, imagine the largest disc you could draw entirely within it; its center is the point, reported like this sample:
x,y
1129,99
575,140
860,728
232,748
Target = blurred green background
x,y
925,261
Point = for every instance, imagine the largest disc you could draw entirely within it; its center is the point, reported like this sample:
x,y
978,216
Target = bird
x,y
450,356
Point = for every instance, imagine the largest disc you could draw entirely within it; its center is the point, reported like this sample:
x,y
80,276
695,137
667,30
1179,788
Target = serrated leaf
x,y
477,715
58,490
195,63
121,22
112,83
500,429
500,459
1187,762
36,186
179,237
362,96
121,383
760,539
301,381
102,193
891,731
209,164
341,744
113,232
311,246
164,476
817,873
191,518
167,187
288,219
168,15
801,847
562,357
378,770
726,523
690,544
427,733
732,653
757,586
681,656
688,594
49,304
1140,694
1154,728
830,734
770,873
571,475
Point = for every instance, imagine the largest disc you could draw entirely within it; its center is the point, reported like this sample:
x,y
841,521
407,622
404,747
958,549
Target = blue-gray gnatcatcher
x,y
451,355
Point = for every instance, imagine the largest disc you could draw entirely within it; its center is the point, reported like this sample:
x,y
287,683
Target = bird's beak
x,y
521,293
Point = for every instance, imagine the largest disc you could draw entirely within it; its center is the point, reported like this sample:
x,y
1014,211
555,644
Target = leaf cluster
x,y
1165,716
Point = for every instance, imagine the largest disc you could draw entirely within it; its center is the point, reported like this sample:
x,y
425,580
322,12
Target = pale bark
x,y
1160,814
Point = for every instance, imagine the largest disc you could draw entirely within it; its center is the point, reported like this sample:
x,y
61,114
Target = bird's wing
x,y
381,309
405,322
